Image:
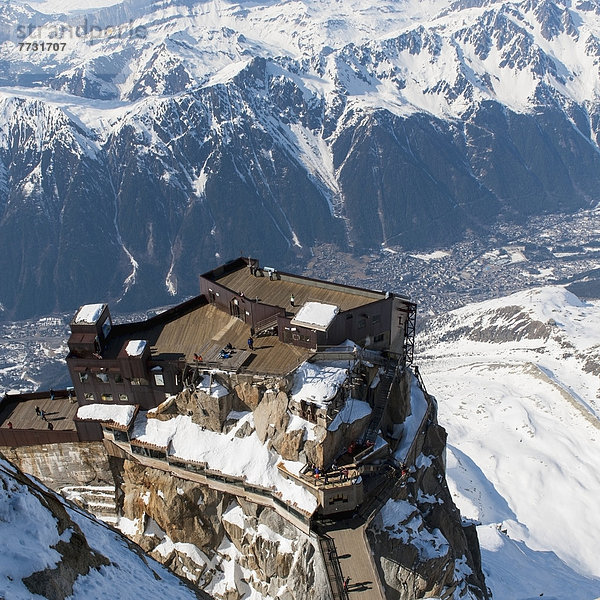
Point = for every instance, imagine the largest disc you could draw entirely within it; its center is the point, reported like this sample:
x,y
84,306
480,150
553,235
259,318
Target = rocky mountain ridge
x,y
167,137
54,550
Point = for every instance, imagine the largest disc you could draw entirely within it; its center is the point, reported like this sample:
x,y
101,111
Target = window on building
x,y
103,377
106,326
159,379
120,436
107,397
123,398
376,319
139,381
118,378
83,377
362,323
378,338
90,397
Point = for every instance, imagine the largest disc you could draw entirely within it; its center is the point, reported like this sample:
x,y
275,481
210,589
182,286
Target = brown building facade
x,y
146,362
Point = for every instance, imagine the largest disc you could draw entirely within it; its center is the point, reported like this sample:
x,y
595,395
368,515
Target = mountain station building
x,y
289,318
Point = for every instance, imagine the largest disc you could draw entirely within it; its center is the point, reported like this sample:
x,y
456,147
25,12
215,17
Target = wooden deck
x,y
208,329
211,354
278,292
60,412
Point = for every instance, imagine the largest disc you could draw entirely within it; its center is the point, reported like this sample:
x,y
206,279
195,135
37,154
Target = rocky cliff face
x,y
225,545
205,131
53,550
422,546
229,546
80,472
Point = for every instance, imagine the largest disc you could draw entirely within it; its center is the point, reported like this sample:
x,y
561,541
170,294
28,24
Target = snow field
x,y
524,442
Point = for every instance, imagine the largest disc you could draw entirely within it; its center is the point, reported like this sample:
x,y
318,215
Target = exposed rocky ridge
x,y
407,130
173,515
426,550
73,555
76,556
229,546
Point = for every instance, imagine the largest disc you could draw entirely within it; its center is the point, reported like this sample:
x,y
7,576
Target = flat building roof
x,y
276,288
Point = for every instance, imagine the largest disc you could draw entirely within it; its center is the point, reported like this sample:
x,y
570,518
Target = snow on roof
x,y
316,315
318,382
346,345
241,457
353,410
120,414
89,313
135,347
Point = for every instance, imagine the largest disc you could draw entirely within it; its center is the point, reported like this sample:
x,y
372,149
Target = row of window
x,y
106,397
159,378
362,322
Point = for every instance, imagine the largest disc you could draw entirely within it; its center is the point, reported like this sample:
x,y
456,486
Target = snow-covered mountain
x,y
51,549
518,385
148,140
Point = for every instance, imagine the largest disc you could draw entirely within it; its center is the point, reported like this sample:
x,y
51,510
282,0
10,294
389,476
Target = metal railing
x,y
332,566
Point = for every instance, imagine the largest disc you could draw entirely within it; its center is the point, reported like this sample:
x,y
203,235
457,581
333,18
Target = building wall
x,y
400,313
121,375
367,325
248,310
65,464
35,437
297,336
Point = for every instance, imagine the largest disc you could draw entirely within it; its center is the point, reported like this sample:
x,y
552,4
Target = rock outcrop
x,y
225,545
52,549
422,546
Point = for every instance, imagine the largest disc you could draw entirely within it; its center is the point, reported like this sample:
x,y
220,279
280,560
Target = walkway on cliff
x,y
356,560
349,551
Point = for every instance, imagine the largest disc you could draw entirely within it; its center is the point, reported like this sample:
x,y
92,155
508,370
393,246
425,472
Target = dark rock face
x,y
77,559
165,197
427,550
272,553
197,170
76,556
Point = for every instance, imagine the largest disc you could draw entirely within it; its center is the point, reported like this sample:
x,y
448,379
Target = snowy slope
x,y
191,124
517,380
436,56
51,549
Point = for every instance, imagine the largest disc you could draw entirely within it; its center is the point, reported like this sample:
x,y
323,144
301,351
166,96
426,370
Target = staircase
x,y
381,400
98,500
265,325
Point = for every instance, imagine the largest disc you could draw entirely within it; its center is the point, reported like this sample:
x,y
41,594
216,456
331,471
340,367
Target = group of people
x,y
342,473
40,412
227,351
